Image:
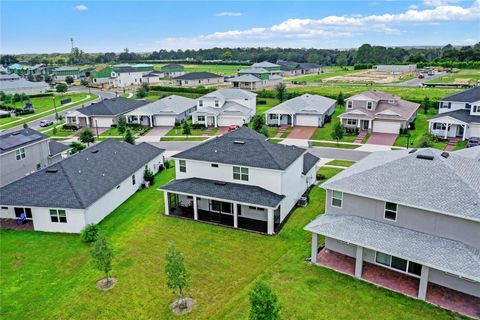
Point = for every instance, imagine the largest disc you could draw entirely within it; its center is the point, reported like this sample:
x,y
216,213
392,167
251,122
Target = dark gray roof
x,y
225,191
309,160
433,251
198,76
81,179
172,66
462,115
244,147
57,147
14,140
470,95
112,107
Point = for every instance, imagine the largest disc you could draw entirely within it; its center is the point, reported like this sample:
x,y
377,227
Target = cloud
x,y
412,7
469,41
297,32
229,14
80,7
437,3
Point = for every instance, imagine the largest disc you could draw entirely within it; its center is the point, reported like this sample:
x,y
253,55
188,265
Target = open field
x,y
328,72
224,69
371,77
51,276
460,77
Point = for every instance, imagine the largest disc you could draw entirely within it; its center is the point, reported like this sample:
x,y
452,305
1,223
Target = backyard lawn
x,y
51,276
270,103
329,72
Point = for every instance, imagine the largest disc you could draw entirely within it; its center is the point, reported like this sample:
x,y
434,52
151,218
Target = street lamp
x,y
408,136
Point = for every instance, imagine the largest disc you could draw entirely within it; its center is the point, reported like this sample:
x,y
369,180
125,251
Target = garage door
x,y
225,121
102,122
303,120
475,131
386,126
161,121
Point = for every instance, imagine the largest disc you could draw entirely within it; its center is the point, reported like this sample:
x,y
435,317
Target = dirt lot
x,y
371,77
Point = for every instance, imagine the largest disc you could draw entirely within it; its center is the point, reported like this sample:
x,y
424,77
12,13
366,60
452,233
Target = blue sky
x,y
100,26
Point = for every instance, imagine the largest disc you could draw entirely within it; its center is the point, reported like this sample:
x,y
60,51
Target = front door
x,y
27,211
460,130
365,124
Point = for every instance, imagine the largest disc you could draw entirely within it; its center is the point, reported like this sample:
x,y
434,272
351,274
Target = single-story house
x,y
81,189
172,70
305,110
292,68
23,86
395,68
194,79
61,73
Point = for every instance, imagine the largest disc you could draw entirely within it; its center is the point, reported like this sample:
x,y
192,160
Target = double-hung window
x,y
20,154
337,199
391,210
240,173
57,215
369,105
349,104
133,180
182,165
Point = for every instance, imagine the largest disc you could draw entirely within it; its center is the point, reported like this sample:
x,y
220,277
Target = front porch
x,y
143,120
360,124
448,129
279,119
206,119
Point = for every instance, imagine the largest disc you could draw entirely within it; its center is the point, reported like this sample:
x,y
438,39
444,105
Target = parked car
x,y
473,142
46,123
232,127
421,76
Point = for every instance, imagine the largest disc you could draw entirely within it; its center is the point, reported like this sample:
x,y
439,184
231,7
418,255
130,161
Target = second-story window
x,y
182,165
133,180
216,103
240,173
369,105
200,103
20,154
349,104
391,210
337,199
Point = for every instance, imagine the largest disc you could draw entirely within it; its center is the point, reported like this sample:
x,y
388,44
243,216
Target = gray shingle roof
x,y
20,138
172,104
245,78
22,84
264,64
304,104
5,77
112,107
253,70
57,147
470,95
81,179
472,153
226,191
230,94
255,151
433,251
446,185
462,115
198,76
309,160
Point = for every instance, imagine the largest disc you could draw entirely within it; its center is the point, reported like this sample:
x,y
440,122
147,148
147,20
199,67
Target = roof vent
x,y
413,151
51,170
239,142
219,183
15,133
94,151
424,157
445,154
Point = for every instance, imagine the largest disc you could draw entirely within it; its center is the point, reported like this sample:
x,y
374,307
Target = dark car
x,y
473,142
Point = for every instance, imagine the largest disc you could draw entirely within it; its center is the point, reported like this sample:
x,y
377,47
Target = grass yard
x,y
178,131
112,132
224,69
341,163
184,138
262,108
329,72
460,77
334,145
328,172
272,131
324,133
51,276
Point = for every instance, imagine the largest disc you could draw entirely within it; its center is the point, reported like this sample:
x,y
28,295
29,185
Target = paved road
x,y
418,82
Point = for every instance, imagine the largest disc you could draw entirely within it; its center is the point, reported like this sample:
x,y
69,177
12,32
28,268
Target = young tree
x,y
258,122
84,82
341,60
149,176
141,92
264,303
340,98
337,132
177,277
61,88
186,129
129,137
86,136
76,147
69,80
281,92
122,125
102,257
426,104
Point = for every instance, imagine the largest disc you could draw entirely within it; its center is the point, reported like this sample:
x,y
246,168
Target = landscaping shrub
x,y
167,165
321,176
23,112
362,66
198,126
6,115
149,176
89,234
69,127
260,102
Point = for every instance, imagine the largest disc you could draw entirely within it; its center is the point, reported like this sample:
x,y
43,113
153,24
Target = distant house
x,y
16,68
377,111
125,76
9,77
103,114
195,79
25,151
167,111
225,107
459,115
38,70
395,68
81,189
21,85
257,77
172,70
305,110
292,69
272,68
87,72
102,76
61,73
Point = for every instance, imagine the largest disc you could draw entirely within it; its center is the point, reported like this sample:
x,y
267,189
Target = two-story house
x,y
407,220
25,151
257,77
459,115
225,107
239,180
377,111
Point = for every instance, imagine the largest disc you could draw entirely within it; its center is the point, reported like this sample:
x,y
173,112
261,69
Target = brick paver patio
x,y
11,224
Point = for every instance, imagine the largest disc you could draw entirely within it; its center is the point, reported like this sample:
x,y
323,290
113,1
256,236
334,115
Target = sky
x,y
144,26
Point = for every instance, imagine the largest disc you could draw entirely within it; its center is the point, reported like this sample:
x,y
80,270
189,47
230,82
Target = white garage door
x,y
225,121
161,121
304,120
102,122
386,126
475,131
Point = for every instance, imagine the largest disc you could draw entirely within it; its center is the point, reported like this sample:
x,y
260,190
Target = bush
x,y
89,234
198,126
167,165
321,176
260,102
69,127
23,112
361,66
5,115
149,176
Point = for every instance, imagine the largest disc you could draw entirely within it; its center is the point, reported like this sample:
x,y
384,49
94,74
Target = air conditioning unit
x,y
302,202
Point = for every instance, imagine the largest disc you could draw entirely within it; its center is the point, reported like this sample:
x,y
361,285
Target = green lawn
x,y
421,128
112,132
178,131
341,163
262,108
51,276
272,131
334,145
460,77
224,69
324,133
287,132
328,172
184,138
329,72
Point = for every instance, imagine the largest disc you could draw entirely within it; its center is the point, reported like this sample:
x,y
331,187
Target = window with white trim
x,y
352,122
133,180
439,126
349,104
182,164
369,105
57,215
391,210
399,264
337,199
20,154
201,118
240,173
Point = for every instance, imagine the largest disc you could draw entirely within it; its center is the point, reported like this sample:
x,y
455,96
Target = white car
x,y
46,123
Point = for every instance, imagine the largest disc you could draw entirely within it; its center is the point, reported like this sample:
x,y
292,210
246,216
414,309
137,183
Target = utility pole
x,y
71,41
96,127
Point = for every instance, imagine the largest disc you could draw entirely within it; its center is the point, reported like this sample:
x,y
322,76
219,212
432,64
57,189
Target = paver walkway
x,y
282,130
452,142
360,136
301,132
222,130
207,131
386,139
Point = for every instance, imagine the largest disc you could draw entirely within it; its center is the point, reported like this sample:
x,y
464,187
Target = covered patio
x,y
448,128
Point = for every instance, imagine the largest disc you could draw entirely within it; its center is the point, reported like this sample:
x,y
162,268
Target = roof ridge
x,y
459,176
67,177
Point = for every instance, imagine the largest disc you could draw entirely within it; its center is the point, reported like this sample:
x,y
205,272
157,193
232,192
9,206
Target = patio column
x,y
270,221
422,288
151,121
235,215
313,255
167,205
446,129
195,208
359,262
292,119
278,119
464,131
215,121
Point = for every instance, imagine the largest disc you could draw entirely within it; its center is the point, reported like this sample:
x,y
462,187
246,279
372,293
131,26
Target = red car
x,y
233,127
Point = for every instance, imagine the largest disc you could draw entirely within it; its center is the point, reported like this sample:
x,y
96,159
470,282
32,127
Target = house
x,y
167,111
458,115
82,189
102,76
25,151
257,77
305,110
377,111
103,114
292,69
125,76
225,107
9,77
272,68
194,79
38,70
16,68
395,68
239,180
22,85
61,73
172,70
143,67
407,220
152,78
87,72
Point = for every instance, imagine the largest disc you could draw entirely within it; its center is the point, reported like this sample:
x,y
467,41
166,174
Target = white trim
x,y
385,209
341,200
394,269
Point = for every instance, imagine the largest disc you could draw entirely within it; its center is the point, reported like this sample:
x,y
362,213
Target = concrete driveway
x,y
386,139
301,132
154,134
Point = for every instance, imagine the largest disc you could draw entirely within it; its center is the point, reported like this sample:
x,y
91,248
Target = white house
x,y
81,189
225,107
22,85
395,68
459,116
239,180
126,76
195,79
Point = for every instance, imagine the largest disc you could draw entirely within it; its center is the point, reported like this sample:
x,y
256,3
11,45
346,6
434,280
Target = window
x,y
337,198
391,211
398,264
414,268
201,118
369,105
57,215
219,206
468,106
182,165
39,166
240,173
352,122
19,211
214,165
216,103
349,104
256,208
383,258
200,103
133,180
20,154
439,126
